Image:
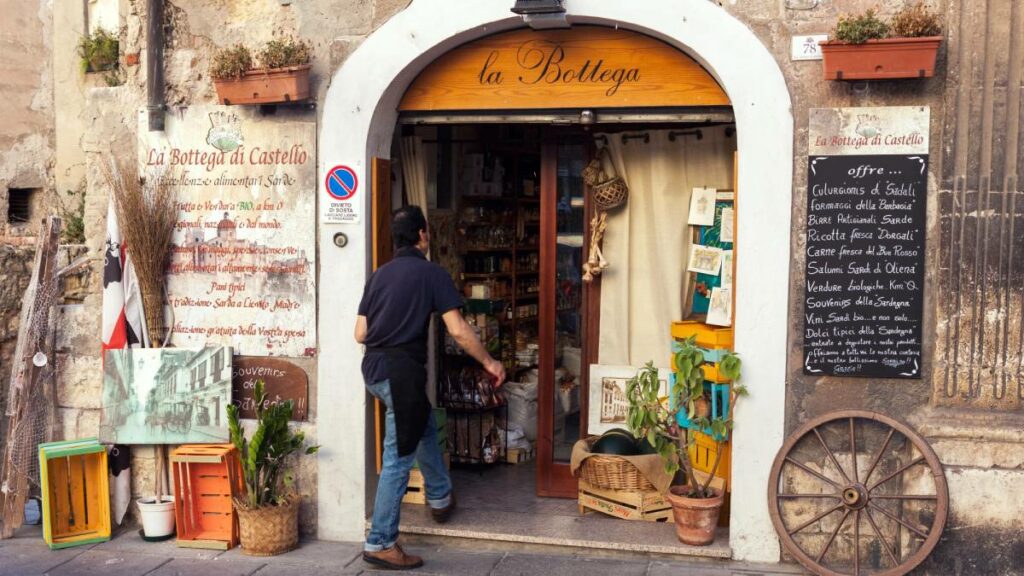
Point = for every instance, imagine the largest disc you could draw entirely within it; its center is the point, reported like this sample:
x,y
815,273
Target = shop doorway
x,y
360,110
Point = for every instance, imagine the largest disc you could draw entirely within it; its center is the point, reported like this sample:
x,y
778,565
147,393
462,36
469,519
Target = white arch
x,y
359,114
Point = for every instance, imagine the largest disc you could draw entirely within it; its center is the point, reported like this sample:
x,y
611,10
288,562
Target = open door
x,y
565,318
380,182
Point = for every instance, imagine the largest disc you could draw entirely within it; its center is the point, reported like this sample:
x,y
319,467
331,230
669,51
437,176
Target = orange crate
x,y
206,479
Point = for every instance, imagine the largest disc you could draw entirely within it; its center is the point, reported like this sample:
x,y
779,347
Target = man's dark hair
x,y
406,225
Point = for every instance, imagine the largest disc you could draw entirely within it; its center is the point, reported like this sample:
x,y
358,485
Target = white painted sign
x,y
806,47
339,195
241,271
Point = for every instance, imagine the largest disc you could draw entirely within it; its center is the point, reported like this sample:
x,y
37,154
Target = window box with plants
x,y
695,503
278,73
268,512
865,47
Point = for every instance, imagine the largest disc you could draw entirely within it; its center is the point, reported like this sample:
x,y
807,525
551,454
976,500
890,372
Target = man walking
x,y
393,320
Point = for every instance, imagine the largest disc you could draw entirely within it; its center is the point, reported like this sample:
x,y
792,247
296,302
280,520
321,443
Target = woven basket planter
x,y
270,530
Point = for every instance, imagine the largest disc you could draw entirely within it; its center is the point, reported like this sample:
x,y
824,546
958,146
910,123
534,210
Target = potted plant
x,y
99,52
865,47
695,504
278,73
268,513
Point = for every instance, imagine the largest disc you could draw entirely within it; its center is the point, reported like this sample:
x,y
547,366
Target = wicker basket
x,y
269,530
611,472
609,191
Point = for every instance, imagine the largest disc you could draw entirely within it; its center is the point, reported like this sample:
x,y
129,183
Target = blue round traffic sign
x,y
341,183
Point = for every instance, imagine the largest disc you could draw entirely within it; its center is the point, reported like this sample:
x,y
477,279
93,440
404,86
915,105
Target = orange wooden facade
x,y
579,67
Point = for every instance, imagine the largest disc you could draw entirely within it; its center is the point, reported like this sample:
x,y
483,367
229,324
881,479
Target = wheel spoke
x,y
846,514
856,543
878,455
902,469
831,456
904,496
898,520
834,496
811,472
881,540
815,519
853,451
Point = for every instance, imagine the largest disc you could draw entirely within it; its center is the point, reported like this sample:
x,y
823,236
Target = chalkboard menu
x,y
865,265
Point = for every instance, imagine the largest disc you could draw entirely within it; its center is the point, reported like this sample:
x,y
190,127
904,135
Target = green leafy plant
x,y
231,63
860,28
655,418
72,215
284,53
98,51
916,21
267,478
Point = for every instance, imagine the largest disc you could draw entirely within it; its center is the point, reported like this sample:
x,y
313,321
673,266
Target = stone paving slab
x,y
210,567
444,561
524,564
130,542
23,559
109,564
315,552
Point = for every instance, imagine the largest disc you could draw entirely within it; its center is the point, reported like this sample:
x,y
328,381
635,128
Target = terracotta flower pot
x,y
265,86
696,518
880,59
269,530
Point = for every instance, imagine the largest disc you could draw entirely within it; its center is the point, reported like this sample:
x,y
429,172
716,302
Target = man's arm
x,y
360,329
464,335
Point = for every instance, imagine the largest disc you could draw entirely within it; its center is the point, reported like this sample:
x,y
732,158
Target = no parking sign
x,y
341,187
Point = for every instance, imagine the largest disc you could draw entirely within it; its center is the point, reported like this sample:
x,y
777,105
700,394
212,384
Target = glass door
x,y
562,398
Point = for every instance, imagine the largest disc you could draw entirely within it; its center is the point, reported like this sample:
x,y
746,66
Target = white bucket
x,y
157,517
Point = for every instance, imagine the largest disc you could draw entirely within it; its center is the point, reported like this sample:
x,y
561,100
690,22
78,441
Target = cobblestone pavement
x,y
129,555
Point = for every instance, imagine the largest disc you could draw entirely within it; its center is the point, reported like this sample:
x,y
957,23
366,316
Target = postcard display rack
x,y
76,497
206,480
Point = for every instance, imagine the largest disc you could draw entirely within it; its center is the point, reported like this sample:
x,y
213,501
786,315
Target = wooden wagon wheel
x,y
855,492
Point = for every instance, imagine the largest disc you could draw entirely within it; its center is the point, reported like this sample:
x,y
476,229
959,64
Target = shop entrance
x,y
361,107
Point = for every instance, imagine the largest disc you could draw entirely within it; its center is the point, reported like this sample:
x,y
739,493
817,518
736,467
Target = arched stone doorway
x,y
360,111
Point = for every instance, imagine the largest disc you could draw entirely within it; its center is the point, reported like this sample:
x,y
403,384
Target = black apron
x,y
407,374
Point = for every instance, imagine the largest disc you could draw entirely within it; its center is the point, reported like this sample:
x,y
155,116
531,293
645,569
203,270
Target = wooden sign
x,y
579,67
283,381
866,198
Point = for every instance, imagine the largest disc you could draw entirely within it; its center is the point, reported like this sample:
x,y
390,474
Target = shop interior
x,y
512,220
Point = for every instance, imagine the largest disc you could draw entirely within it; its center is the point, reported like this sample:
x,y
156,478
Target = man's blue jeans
x,y
394,475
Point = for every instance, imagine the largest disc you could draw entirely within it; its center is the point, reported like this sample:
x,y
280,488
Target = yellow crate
x,y
702,455
76,496
707,336
416,491
647,505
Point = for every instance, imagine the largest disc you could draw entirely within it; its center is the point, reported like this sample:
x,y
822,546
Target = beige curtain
x,y
414,171
647,241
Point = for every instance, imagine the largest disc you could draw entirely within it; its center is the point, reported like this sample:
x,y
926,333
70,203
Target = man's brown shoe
x,y
441,515
393,558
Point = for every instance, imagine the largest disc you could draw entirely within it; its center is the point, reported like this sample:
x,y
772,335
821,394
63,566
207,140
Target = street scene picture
x,y
166,395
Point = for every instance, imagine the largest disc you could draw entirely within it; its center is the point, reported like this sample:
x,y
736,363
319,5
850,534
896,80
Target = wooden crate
x,y
206,480
520,455
416,491
76,495
702,455
646,505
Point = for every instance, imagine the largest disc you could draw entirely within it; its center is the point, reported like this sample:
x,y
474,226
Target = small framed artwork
x,y
702,207
705,260
166,395
608,402
727,269
720,307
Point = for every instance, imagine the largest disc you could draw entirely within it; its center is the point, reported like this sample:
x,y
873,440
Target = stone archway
x,y
358,123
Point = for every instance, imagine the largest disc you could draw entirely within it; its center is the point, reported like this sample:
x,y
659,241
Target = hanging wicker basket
x,y
609,190
269,530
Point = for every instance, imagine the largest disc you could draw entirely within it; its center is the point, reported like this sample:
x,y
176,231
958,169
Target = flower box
x,y
885,59
265,86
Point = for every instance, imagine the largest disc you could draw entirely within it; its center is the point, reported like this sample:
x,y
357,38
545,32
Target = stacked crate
x,y
76,496
206,480
416,492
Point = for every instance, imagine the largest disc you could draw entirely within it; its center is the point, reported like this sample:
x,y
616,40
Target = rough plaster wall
x,y
27,124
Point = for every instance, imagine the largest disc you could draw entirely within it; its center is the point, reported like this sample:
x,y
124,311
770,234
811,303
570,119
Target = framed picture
x,y
720,307
702,207
166,395
705,260
608,403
